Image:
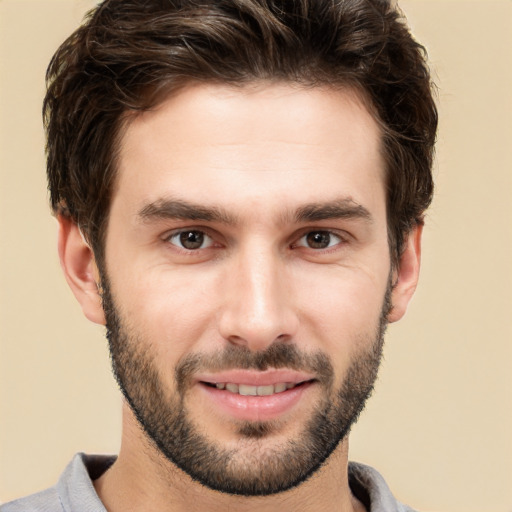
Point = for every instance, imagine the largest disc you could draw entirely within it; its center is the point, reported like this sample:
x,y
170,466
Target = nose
x,y
258,302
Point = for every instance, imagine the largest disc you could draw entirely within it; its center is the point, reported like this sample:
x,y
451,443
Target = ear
x,y
405,278
77,262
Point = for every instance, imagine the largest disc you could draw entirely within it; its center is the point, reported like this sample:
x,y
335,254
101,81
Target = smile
x,y
256,396
248,390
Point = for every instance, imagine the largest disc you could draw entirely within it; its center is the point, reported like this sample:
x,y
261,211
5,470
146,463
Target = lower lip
x,y
256,408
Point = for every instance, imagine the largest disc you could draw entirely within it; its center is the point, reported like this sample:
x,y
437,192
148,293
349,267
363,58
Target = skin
x,y
261,154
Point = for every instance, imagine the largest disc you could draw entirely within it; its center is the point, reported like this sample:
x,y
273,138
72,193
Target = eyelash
x,y
323,232
181,232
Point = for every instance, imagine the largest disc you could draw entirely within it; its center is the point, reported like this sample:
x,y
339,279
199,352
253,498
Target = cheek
x,y
168,309
344,313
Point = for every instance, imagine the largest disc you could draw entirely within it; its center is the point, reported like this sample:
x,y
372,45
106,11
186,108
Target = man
x,y
240,189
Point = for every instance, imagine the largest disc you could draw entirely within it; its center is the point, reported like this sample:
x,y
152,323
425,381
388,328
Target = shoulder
x,y
368,485
44,501
73,492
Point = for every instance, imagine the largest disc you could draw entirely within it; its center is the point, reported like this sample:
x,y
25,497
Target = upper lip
x,y
255,377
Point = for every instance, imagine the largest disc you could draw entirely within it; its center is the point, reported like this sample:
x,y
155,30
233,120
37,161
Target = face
x,y
246,278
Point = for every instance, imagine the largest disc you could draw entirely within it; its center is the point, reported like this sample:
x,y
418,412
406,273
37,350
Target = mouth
x,y
256,396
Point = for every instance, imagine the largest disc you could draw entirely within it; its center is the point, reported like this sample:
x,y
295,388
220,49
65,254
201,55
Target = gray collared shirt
x,y
74,492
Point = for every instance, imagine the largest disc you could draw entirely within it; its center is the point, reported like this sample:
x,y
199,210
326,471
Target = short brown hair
x,y
130,54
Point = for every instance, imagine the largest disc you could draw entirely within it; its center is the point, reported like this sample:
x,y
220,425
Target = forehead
x,y
263,143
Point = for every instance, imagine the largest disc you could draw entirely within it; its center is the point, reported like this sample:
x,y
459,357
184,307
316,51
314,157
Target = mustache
x,y
278,355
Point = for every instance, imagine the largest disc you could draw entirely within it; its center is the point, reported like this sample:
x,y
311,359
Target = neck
x,y
142,479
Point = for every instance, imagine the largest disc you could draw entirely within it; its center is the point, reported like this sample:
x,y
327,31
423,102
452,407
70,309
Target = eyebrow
x,y
179,209
345,208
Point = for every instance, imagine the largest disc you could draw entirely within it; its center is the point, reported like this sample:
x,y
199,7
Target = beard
x,y
252,468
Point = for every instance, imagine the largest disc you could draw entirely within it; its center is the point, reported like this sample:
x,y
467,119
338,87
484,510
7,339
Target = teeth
x,y
232,387
279,388
266,390
247,390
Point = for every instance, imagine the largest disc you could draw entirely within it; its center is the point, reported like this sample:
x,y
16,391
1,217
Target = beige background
x,y
440,424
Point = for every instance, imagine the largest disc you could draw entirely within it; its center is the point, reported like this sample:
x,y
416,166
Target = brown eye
x,y
191,240
319,240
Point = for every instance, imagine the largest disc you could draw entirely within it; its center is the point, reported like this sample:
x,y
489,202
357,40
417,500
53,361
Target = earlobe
x,y
77,262
405,278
